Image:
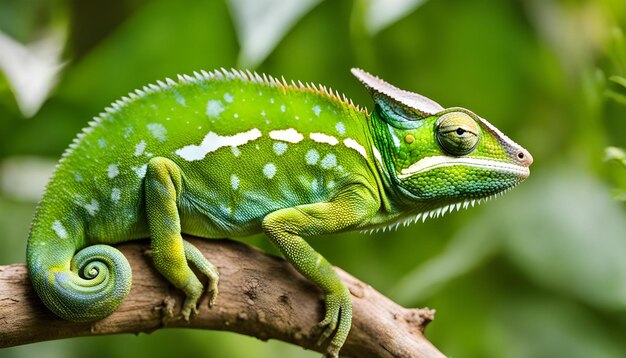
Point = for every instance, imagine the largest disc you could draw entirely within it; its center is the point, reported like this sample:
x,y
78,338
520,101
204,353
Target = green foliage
x,y
538,273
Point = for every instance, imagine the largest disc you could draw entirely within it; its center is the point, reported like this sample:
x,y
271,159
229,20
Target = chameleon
x,y
232,153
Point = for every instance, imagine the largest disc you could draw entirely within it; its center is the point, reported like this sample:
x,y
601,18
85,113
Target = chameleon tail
x,y
89,288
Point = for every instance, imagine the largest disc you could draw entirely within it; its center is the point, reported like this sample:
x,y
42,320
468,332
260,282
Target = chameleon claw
x,y
332,351
189,308
328,328
213,291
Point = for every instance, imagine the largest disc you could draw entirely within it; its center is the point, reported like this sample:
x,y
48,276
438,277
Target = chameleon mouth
x,y
435,162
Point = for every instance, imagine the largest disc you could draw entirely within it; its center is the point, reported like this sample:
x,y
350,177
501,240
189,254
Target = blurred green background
x,y
540,272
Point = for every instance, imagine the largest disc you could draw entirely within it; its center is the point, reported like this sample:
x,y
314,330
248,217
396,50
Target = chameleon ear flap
x,y
397,106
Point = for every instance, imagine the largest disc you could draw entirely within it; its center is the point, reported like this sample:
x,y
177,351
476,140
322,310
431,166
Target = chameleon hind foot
x,y
193,255
193,294
192,290
170,253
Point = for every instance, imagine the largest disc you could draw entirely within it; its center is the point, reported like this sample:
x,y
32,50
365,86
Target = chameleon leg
x,y
194,255
170,253
285,229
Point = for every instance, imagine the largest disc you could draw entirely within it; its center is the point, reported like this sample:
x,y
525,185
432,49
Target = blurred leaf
x,y
382,13
619,80
616,48
25,178
616,96
617,154
261,24
32,70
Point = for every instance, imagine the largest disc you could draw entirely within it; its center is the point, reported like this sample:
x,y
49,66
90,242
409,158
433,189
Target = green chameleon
x,y
231,154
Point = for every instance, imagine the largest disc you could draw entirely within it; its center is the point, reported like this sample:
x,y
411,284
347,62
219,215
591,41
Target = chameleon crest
x,y
231,154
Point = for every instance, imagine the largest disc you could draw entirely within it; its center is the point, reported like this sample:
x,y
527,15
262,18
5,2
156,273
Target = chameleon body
x,y
230,154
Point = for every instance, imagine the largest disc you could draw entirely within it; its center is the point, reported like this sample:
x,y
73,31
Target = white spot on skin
x,y
263,113
312,156
283,108
214,108
235,151
269,170
331,184
287,135
314,185
140,148
280,148
140,171
228,97
158,131
329,161
59,229
324,138
115,195
78,177
317,110
353,144
236,115
93,207
180,99
340,128
102,143
234,182
213,141
128,131
377,155
272,100
395,139
113,171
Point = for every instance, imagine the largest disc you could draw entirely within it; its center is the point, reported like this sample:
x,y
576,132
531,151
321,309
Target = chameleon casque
x,y
231,154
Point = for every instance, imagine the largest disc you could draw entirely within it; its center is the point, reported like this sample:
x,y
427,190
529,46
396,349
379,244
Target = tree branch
x,y
260,295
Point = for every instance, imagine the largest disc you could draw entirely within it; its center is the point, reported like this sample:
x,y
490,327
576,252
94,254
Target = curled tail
x,y
86,287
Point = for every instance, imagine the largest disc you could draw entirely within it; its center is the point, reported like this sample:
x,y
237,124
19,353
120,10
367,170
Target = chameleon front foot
x,y
337,320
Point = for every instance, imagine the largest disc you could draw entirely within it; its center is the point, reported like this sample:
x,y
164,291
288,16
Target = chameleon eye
x,y
457,133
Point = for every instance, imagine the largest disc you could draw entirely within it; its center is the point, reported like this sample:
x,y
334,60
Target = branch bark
x,y
260,295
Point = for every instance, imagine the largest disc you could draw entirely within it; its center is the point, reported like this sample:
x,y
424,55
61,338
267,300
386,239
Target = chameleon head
x,y
442,156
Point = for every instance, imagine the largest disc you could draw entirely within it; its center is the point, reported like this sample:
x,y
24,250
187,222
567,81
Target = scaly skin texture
x,y
230,154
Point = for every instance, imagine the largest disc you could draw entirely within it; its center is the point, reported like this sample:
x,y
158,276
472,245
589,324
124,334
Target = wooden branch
x,y
260,295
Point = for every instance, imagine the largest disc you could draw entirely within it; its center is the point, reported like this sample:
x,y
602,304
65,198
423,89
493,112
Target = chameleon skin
x,y
231,154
